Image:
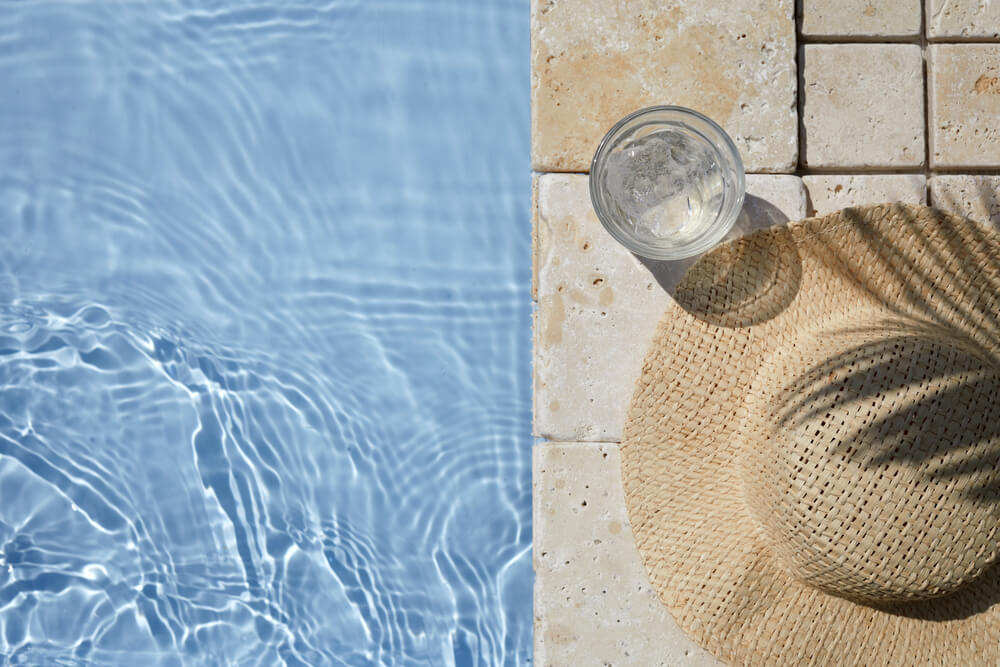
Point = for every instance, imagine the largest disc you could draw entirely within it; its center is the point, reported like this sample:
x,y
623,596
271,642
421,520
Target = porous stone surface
x,y
593,601
830,192
976,197
594,62
598,305
771,195
860,18
965,19
863,106
597,309
964,104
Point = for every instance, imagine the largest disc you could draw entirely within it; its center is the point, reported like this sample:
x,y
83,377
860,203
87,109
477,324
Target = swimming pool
x,y
265,333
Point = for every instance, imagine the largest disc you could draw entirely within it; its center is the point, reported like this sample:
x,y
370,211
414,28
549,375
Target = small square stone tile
x,y
863,106
965,19
975,197
860,18
594,62
829,192
598,305
773,198
964,104
593,601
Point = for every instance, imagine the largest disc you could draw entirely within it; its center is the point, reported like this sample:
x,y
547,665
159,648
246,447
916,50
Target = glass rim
x,y
727,151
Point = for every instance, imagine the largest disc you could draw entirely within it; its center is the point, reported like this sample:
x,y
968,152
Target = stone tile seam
x,y
927,98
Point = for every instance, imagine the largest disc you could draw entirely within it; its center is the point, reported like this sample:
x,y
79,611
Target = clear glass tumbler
x,y
667,182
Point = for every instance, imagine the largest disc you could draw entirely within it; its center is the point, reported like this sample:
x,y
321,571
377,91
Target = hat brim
x,y
706,555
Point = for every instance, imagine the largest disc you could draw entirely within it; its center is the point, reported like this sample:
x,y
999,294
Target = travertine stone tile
x,y
967,19
593,601
598,305
594,62
830,192
774,198
863,106
534,237
964,104
975,197
597,309
860,18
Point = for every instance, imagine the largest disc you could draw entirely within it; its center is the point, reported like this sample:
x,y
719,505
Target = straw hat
x,y
811,460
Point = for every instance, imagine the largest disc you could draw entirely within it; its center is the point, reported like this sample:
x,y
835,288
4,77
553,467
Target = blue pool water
x,y
264,332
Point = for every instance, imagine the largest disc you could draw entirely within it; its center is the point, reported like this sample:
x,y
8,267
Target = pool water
x,y
264,333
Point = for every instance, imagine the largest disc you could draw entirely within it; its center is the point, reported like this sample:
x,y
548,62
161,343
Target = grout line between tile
x,y
965,171
926,99
873,171
800,101
800,108
860,39
962,40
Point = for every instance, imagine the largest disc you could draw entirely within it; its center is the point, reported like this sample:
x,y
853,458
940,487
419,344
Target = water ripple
x,y
264,333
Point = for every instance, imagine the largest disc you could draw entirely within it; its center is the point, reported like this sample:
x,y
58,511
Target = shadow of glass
x,y
742,281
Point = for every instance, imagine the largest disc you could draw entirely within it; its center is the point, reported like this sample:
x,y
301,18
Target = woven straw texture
x,y
811,460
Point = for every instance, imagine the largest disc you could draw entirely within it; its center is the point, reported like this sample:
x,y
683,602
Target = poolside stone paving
x,y
832,104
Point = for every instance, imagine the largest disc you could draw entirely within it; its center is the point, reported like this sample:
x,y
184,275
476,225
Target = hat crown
x,y
871,460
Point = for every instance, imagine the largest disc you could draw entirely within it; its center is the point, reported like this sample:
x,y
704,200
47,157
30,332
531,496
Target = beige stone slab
x,y
964,105
593,601
863,106
593,62
860,18
597,309
975,197
966,19
534,237
831,192
773,198
598,305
